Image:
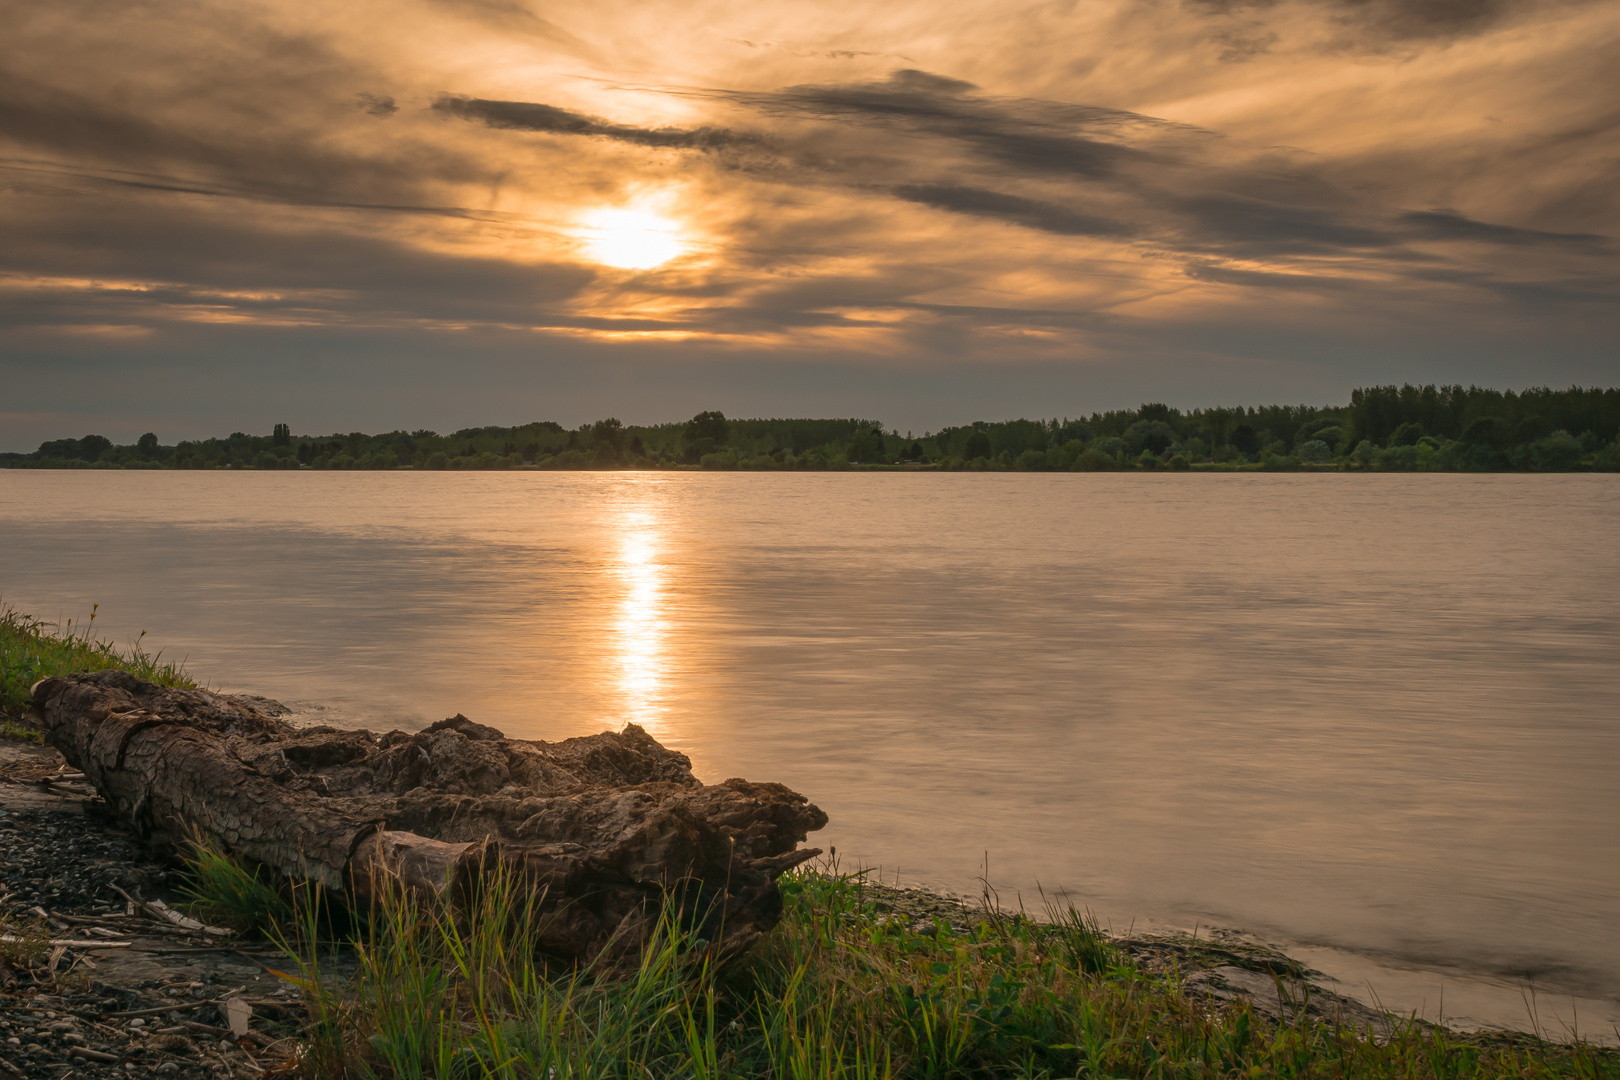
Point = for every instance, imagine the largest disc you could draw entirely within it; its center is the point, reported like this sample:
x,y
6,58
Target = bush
x,y
1093,460
1558,452
1399,459
437,460
1031,461
1180,462
1406,435
1315,451
1281,463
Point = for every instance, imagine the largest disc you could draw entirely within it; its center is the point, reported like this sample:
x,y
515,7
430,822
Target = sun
x,y
631,239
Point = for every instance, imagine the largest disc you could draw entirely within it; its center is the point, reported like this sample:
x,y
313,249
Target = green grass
x,y
839,991
220,889
31,650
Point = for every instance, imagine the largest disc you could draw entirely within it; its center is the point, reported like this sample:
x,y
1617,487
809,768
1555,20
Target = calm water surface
x,y
1373,716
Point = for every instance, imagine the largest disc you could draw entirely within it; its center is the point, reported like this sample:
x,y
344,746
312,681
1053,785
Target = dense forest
x,y
1409,428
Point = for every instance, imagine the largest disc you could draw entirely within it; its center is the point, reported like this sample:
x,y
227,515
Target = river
x,y
1373,717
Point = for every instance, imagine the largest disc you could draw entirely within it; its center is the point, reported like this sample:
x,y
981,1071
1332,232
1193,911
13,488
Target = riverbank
x,y
860,979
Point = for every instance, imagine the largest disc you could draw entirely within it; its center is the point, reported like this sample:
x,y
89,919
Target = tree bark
x,y
603,829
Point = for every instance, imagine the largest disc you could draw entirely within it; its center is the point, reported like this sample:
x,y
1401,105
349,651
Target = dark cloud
x,y
170,261
1395,20
1030,213
533,116
1249,225
1450,225
378,105
1033,135
120,145
1242,47
70,181
1377,25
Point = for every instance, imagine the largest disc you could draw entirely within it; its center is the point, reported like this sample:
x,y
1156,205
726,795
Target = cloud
x,y
1450,225
1040,136
381,106
548,119
1384,20
1030,213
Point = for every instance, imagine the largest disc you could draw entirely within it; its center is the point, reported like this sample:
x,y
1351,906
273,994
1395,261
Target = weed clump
x,y
31,650
219,888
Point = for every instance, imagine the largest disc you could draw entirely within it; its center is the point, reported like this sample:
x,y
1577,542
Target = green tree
x,y
147,446
1487,431
708,425
91,447
1150,435
977,445
281,435
865,445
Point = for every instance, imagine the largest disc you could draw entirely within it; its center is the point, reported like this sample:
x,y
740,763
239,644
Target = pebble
x,y
72,872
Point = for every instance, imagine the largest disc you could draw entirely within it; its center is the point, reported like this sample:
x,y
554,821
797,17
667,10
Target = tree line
x,y
1409,428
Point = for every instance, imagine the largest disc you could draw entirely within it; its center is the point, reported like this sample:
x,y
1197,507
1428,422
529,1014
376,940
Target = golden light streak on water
x,y
642,621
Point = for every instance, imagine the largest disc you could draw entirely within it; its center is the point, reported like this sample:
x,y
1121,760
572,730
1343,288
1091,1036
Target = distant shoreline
x,y
1382,429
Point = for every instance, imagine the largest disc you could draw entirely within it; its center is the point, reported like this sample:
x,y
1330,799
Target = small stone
x,y
168,1068
137,1022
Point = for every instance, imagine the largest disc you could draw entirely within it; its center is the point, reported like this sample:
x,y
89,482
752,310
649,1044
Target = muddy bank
x,y
99,986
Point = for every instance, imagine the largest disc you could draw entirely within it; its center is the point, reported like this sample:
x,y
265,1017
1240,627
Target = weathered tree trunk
x,y
602,828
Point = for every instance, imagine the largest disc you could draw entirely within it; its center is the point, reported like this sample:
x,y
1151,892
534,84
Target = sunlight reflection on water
x,y
641,621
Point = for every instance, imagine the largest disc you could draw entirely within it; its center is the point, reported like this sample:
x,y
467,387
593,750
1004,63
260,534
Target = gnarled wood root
x,y
601,828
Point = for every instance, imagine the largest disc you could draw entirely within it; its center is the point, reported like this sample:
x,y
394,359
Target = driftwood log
x,y
602,828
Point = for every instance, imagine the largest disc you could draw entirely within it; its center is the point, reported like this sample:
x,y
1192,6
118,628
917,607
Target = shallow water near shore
x,y
1370,716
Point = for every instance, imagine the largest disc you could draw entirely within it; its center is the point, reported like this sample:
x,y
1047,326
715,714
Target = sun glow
x,y
631,239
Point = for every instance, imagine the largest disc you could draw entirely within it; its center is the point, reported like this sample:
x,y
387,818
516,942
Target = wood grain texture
x,y
604,829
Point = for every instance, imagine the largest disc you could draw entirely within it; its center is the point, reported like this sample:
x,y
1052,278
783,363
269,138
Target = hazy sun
x,y
631,239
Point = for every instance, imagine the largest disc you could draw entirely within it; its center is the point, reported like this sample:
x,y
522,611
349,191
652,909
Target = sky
x,y
446,213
